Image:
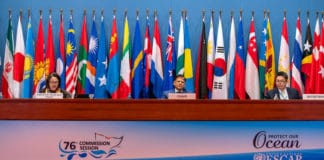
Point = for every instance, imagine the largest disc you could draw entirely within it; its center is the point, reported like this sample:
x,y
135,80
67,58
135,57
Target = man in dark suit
x,y
179,83
281,91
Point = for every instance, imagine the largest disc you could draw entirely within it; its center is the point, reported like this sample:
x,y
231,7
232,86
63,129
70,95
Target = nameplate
x,y
313,96
48,95
181,96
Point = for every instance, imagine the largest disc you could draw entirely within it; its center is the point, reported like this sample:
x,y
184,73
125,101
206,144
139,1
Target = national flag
x,y
231,60
19,61
137,74
296,81
180,53
220,87
114,63
252,85
101,81
170,59
49,55
125,68
188,72
262,57
319,83
147,60
29,62
7,74
316,77
284,59
201,68
210,57
92,59
82,58
71,60
270,60
156,65
60,61
39,65
307,59
240,58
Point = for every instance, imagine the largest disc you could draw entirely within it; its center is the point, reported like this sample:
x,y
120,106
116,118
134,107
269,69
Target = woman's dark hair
x,y
53,74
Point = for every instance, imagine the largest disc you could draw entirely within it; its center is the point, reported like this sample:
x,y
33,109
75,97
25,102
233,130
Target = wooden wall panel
x,y
88,109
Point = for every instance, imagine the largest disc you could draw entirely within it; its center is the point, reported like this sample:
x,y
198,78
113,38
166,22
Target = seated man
x,y
179,83
281,91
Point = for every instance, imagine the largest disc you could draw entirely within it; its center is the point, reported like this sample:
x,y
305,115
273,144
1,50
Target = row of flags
x,y
138,70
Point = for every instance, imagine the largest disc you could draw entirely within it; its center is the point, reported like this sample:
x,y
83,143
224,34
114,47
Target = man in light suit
x,y
281,91
179,83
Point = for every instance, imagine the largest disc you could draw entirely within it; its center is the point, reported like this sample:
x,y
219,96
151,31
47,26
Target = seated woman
x,y
53,85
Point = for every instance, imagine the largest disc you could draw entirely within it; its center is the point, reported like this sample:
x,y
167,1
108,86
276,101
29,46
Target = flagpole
x,y
71,13
268,14
137,13
264,14
20,14
93,14
232,14
28,13
241,11
61,14
285,14
114,12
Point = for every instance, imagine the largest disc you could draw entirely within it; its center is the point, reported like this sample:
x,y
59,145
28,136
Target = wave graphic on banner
x,y
311,154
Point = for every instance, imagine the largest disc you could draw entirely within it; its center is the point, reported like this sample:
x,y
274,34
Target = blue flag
x,y
188,72
170,59
100,82
29,63
92,60
137,74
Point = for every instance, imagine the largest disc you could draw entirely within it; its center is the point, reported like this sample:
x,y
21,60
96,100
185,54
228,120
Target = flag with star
x,y
29,61
307,59
240,58
262,57
315,76
180,52
82,58
201,68
92,59
137,74
170,59
252,85
220,87
101,68
210,57
114,62
319,86
71,60
284,60
296,81
7,81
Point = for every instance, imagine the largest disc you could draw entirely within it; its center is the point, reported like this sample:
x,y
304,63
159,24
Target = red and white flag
x,y
19,61
252,84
